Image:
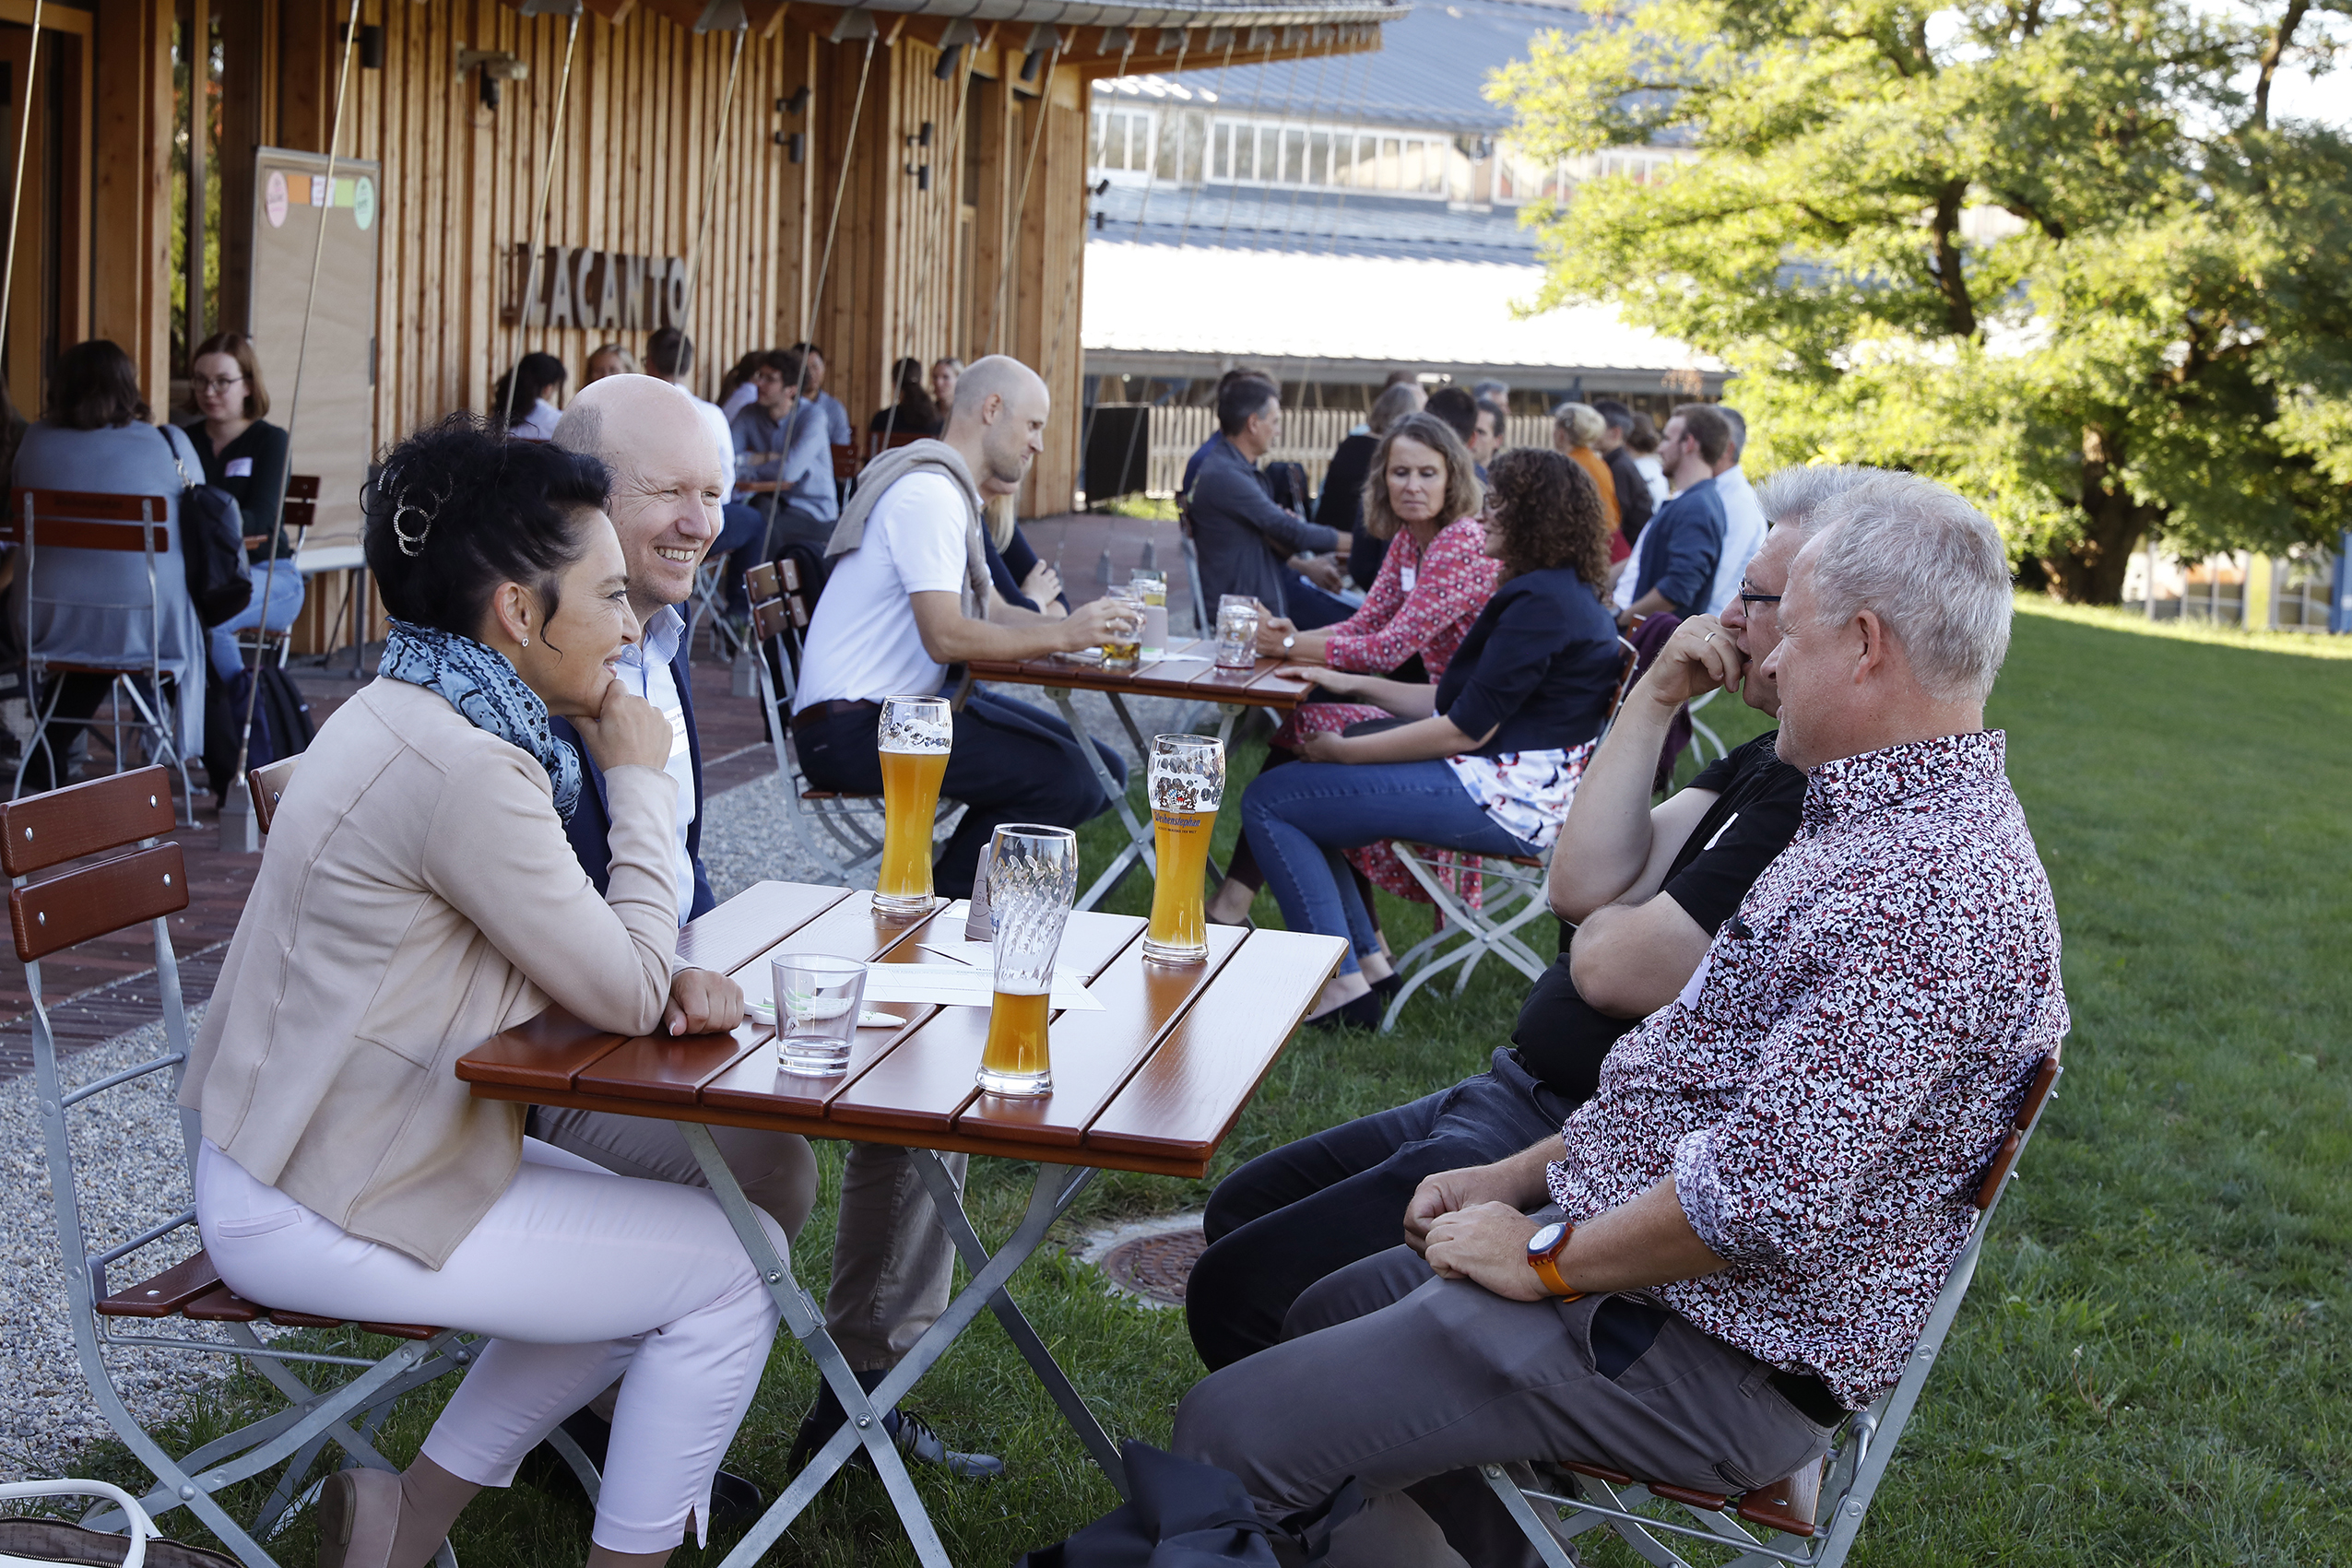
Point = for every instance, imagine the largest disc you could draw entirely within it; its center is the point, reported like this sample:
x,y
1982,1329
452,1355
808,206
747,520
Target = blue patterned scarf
x,y
480,684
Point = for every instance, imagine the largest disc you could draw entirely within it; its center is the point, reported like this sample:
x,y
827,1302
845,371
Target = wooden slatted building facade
x,y
881,182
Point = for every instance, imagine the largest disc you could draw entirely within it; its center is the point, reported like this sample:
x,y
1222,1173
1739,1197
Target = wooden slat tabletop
x,y
1262,686
1151,1081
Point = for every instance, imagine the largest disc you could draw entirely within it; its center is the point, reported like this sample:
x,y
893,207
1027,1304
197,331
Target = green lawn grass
x,y
2154,1365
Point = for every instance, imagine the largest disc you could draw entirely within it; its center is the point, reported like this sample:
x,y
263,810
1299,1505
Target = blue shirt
x,y
1539,668
794,449
1681,549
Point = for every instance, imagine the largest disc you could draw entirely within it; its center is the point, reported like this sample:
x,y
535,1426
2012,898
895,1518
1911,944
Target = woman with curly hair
x,y
1420,497
1485,761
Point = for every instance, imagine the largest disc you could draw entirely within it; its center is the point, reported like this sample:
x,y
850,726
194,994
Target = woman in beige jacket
x,y
418,897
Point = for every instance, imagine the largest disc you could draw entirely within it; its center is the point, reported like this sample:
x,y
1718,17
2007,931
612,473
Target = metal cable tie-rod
x,y
539,216
294,400
710,179
17,195
1021,202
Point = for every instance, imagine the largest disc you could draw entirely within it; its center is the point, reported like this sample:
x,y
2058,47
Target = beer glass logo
x,y
1188,780
914,731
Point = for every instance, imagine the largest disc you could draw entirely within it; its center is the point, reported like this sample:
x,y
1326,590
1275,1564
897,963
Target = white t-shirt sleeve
x,y
924,522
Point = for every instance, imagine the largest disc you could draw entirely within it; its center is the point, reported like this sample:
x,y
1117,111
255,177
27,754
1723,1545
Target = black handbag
x,y
212,545
1184,1514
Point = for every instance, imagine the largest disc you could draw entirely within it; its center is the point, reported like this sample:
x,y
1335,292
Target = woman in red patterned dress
x,y
1423,497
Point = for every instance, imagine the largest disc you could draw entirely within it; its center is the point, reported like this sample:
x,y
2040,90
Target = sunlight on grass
x,y
2110,617
2156,1362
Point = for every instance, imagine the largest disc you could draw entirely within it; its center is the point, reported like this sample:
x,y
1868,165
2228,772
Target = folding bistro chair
x,y
148,883
1510,895
128,524
843,832
295,518
1783,1522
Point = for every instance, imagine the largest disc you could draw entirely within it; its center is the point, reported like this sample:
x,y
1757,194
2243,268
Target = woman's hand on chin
x,y
626,730
703,1001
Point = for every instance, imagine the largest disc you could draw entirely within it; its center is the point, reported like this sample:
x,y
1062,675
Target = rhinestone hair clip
x,y
413,545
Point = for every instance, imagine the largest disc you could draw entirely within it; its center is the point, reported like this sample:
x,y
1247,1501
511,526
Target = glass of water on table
x,y
817,1000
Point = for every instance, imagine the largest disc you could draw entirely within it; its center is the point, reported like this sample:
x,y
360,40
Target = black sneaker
x,y
914,1437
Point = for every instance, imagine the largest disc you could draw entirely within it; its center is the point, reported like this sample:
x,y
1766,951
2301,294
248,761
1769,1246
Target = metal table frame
x,y
1056,1187
1138,833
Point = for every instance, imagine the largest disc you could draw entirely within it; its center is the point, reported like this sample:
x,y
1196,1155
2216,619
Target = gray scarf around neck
x,y
925,455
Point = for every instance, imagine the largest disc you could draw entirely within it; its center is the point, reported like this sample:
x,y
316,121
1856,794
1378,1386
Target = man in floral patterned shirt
x,y
1773,1180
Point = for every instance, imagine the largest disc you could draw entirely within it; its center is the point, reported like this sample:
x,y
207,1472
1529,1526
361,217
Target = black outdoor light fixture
x,y
958,34
497,65
796,103
370,49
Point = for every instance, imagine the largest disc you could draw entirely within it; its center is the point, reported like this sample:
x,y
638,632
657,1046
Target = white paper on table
x,y
1182,659
952,986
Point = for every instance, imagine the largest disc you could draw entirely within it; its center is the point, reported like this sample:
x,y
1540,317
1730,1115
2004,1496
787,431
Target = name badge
x,y
238,468
1407,576
677,717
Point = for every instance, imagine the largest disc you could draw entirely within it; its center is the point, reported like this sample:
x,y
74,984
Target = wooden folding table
x,y
1152,1081
1188,674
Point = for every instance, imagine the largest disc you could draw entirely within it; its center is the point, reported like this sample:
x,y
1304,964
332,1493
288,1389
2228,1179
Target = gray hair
x,y
1500,391
1582,420
1793,498
1933,569
1393,404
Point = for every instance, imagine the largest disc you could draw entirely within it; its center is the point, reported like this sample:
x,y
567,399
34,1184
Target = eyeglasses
x,y
1749,597
208,384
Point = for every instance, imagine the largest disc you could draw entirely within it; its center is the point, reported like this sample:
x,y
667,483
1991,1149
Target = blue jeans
x,y
285,604
1299,818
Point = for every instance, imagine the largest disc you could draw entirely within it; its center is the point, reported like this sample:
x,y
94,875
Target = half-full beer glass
x,y
1188,785
915,738
1033,878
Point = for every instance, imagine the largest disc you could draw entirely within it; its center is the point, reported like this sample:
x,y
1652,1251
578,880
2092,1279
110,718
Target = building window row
x,y
1188,146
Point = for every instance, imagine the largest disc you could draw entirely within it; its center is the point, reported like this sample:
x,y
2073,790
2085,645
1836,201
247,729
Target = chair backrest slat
x,y
760,583
300,509
2004,1159
267,785
769,619
94,900
48,829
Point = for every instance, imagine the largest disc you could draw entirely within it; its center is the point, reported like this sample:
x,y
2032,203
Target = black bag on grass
x,y
1184,1514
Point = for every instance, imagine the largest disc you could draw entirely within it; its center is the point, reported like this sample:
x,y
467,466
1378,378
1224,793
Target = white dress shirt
x,y
646,666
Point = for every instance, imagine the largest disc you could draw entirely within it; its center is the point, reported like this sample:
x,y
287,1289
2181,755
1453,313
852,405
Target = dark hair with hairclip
x,y
457,509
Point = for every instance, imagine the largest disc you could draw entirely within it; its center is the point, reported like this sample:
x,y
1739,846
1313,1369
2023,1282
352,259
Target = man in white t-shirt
x,y
891,620
669,354
1744,520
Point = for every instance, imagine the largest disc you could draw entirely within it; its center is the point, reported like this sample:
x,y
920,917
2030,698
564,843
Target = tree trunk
x,y
2090,570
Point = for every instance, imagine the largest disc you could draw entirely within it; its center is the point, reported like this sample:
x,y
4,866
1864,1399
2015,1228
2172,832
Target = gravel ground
x,y
127,1146
132,1175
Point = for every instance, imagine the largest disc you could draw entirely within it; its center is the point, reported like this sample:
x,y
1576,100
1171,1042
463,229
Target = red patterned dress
x,y
1423,602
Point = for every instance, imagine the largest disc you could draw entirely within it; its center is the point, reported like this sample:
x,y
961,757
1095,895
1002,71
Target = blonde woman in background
x,y
611,359
1577,430
944,375
1013,566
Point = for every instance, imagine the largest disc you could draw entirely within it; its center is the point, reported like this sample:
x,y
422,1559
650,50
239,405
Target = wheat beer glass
x,y
1033,878
1121,650
1188,785
914,738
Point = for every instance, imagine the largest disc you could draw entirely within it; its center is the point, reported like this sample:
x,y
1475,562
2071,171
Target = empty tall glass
x,y
915,736
1188,785
1033,880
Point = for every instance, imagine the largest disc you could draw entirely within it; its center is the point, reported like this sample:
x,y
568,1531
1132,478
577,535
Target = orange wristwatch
x,y
1544,1250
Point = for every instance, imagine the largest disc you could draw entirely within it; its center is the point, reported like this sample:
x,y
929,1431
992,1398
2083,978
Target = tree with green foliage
x,y
2058,254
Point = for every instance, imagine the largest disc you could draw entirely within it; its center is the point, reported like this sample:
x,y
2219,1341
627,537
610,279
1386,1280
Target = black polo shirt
x,y
1561,1039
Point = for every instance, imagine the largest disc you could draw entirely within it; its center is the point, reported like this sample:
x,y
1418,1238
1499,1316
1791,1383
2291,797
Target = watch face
x,y
1543,1241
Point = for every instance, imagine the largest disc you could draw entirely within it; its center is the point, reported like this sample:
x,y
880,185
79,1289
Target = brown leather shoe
x,y
359,1515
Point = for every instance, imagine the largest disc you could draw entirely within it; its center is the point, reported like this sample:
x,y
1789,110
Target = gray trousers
x,y
892,1263
1407,1383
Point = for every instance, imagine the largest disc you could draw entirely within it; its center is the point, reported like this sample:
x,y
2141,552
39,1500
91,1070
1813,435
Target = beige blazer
x,y
416,897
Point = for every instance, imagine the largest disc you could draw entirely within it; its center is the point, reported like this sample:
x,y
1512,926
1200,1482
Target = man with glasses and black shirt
x,y
1641,892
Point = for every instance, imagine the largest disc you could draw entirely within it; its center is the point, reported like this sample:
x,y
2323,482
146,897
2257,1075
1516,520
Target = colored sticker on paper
x,y
273,205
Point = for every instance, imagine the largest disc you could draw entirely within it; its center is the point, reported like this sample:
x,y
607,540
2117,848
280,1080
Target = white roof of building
x,y
1279,309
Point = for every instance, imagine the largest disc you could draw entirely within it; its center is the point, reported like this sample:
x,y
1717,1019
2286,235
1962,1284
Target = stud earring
x,y
527,641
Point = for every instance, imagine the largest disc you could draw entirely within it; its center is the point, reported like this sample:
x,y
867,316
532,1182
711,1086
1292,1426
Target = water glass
x,y
1032,880
1237,634
914,738
1153,587
1188,784
817,999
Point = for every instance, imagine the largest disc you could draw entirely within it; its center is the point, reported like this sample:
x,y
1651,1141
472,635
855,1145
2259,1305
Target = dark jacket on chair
x,y
591,824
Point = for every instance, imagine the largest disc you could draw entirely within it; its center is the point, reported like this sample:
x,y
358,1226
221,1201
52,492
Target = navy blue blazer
x,y
590,829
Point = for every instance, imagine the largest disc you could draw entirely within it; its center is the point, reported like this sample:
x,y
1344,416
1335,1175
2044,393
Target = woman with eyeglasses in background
x,y
245,454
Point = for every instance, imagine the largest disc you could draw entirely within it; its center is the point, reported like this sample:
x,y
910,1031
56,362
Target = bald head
x,y
999,421
668,479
